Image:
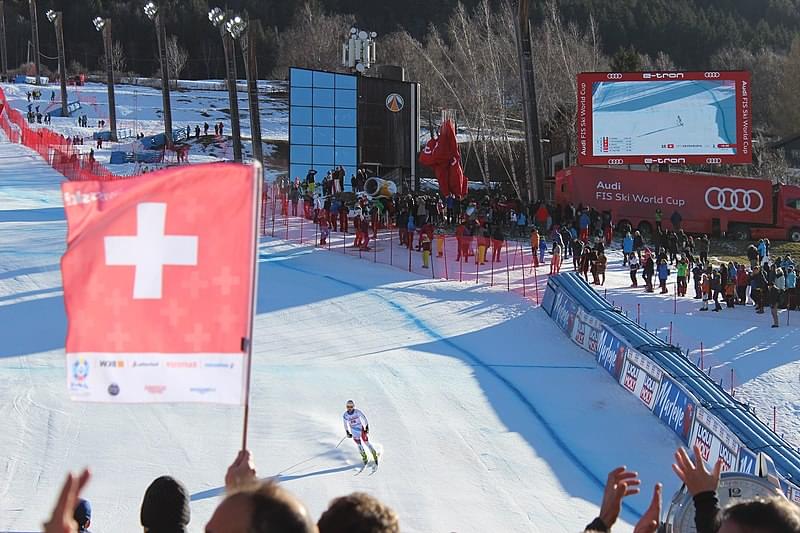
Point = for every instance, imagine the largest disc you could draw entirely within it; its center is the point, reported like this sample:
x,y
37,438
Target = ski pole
x,y
341,441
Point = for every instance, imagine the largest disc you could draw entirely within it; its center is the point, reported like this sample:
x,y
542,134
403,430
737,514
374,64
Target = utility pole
x,y
3,43
247,40
153,12
56,18
35,39
220,19
535,161
104,26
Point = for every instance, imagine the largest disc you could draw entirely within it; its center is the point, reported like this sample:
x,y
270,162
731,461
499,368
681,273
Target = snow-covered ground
x,y
490,419
139,110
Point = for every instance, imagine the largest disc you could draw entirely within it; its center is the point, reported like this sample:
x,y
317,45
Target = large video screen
x,y
664,117
323,119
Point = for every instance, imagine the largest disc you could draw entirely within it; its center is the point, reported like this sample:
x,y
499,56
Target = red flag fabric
x,y
158,283
443,156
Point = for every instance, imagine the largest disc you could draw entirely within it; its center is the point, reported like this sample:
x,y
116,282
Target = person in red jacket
x,y
364,233
463,242
343,212
324,230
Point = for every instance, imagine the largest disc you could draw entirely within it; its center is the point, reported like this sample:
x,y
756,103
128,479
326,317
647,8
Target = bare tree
x,y
314,40
118,60
177,56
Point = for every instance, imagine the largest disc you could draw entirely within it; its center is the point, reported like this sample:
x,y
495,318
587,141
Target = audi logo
x,y
711,75
713,161
616,161
614,76
728,199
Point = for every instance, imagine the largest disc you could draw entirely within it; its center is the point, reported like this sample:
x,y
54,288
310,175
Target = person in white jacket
x,y
356,427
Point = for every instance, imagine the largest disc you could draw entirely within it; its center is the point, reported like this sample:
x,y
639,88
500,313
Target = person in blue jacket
x,y
627,248
542,250
663,275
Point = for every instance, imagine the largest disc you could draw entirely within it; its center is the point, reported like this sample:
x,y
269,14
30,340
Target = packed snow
x,y
489,417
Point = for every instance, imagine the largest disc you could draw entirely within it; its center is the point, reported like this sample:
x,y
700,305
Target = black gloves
x,y
366,429
349,435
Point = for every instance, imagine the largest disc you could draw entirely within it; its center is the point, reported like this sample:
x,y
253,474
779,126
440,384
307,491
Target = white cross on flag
x,y
158,285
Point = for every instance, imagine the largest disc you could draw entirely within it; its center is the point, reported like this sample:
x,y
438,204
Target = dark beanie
x,y
165,508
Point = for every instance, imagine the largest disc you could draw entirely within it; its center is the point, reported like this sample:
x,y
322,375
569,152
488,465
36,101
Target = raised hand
x,y
694,475
650,519
620,483
241,473
61,520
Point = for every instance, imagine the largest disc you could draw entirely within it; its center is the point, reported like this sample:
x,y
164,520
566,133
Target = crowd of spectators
x,y
252,506
757,515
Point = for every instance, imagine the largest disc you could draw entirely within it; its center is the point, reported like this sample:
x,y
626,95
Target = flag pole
x,y
258,178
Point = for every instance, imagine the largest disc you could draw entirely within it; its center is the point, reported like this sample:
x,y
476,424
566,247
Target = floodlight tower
x,y
3,43
56,18
152,11
219,19
35,38
358,53
244,32
104,26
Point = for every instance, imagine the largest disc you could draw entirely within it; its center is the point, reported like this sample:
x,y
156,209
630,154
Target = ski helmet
x,y
350,404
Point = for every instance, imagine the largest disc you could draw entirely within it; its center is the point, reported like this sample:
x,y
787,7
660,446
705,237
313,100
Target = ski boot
x,y
364,457
375,456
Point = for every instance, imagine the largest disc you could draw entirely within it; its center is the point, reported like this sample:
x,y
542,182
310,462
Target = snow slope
x,y
737,343
490,419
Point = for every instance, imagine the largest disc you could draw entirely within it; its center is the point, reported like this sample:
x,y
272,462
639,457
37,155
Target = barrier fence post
x,y
536,284
732,388
522,263
774,419
638,313
460,268
375,248
344,243
477,266
409,253
391,247
605,294
273,216
702,361
302,222
316,231
508,267
444,255
670,331
675,298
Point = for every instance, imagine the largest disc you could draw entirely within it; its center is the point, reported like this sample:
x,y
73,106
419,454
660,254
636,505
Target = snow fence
x,y
683,397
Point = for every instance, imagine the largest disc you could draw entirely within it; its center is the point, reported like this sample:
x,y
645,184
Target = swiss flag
x,y
157,269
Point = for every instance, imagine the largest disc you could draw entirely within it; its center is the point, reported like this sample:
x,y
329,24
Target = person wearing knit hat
x,y
165,508
83,516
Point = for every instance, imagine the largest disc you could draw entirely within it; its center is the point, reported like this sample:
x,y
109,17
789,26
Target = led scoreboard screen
x,y
629,118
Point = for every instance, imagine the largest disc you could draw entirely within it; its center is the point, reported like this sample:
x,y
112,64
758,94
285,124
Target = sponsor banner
x,y
611,352
156,378
748,461
675,407
714,440
641,377
586,330
564,312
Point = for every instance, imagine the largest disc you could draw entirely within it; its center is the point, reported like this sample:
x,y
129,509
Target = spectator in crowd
x,y
358,513
705,289
627,248
83,516
165,508
555,260
663,275
773,298
602,263
498,241
620,484
633,265
659,216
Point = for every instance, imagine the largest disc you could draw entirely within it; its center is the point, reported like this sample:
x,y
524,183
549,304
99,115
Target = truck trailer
x,y
742,208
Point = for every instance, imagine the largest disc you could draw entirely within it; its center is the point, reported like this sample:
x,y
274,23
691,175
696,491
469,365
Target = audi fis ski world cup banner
x,y
664,117
586,330
158,283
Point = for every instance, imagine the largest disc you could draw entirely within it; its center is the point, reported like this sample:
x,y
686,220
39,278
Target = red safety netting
x,y
507,265
54,148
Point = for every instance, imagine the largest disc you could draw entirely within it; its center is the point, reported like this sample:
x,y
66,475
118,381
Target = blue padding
x,y
752,432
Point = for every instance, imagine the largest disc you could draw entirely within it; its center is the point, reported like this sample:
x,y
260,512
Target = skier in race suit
x,y
356,426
